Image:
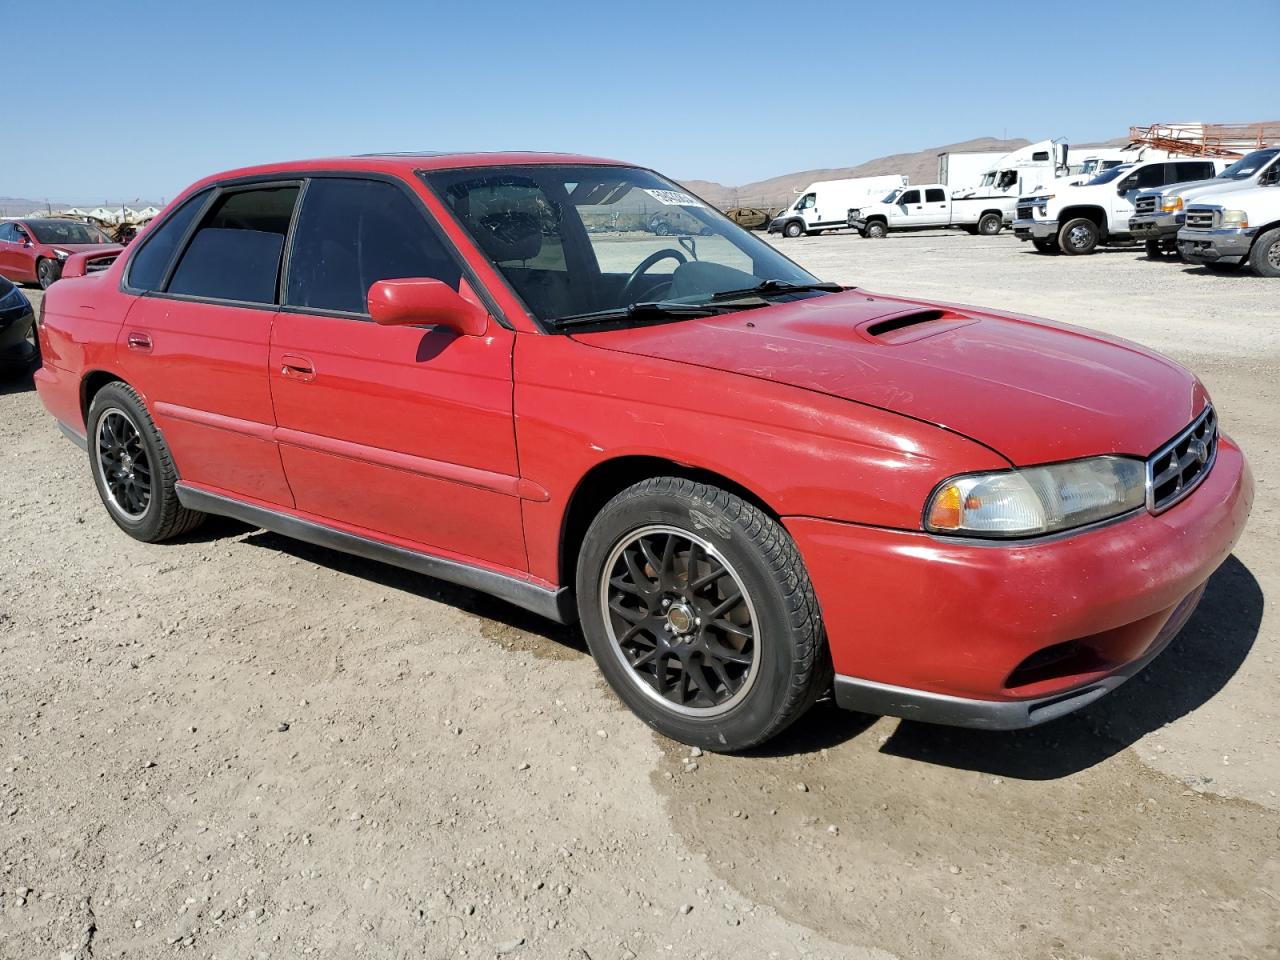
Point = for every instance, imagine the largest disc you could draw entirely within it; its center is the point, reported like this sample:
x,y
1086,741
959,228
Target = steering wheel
x,y
667,253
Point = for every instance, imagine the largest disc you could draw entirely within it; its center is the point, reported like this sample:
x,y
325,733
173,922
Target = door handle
x,y
297,368
139,341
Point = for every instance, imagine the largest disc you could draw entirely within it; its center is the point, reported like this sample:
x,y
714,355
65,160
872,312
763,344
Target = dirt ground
x,y
238,746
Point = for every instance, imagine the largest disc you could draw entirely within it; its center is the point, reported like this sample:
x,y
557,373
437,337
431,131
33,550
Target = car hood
x,y
1200,188
1032,390
85,247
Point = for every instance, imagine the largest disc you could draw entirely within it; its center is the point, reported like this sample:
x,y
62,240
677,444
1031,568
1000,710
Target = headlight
x,y
12,298
61,254
1235,218
1036,500
1171,204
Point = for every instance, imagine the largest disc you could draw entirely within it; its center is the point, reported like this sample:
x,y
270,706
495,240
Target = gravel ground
x,y
238,746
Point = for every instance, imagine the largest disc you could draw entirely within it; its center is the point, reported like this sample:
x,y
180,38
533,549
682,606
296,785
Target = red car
x,y
34,250
752,488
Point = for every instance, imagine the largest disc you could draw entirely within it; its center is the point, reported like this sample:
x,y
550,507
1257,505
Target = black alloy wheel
x,y
124,464
48,271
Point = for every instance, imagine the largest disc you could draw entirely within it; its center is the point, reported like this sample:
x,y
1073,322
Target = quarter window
x,y
353,233
235,254
149,264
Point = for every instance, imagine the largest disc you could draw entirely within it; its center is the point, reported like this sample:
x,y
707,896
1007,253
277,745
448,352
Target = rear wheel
x,y
1161,249
47,271
132,468
1265,255
1045,246
1078,237
875,230
990,224
699,612
793,229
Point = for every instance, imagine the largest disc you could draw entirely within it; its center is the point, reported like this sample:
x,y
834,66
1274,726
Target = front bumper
x,y
1154,226
776,225
1006,635
1224,245
1035,229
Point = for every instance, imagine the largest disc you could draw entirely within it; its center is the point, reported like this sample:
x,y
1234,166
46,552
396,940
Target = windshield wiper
x,y
641,310
776,286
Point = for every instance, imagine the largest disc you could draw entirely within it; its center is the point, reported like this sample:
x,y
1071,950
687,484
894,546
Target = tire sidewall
x,y
750,720
1258,256
115,396
46,265
876,231
987,219
1066,247
793,230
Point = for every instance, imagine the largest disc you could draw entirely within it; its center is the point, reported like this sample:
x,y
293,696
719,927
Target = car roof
x,y
408,162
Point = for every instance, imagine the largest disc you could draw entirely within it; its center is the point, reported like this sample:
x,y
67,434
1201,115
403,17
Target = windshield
x,y
1108,176
66,231
891,196
582,239
1247,166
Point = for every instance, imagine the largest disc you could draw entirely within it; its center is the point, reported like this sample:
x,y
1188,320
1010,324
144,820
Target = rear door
x,y
403,432
937,208
195,342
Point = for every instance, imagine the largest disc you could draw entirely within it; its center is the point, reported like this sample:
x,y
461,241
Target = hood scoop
x,y
912,325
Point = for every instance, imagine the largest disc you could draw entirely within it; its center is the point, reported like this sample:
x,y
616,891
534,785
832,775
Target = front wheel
x,y
793,229
1265,255
699,612
1078,237
132,468
47,272
990,224
875,230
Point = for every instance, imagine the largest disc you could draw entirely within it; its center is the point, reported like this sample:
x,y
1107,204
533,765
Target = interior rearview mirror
x,y
400,303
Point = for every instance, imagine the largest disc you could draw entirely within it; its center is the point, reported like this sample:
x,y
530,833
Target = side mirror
x,y
400,303
1125,187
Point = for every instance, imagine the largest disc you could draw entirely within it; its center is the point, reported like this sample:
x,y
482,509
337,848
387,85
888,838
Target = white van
x,y
825,205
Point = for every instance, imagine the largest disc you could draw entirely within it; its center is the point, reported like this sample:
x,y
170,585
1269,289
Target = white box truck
x,y
961,170
825,204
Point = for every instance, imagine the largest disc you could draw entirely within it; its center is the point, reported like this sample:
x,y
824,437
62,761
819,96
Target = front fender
x,y
800,452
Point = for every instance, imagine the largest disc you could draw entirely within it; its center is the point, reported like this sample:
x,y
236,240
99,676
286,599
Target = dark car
x,y
19,349
34,250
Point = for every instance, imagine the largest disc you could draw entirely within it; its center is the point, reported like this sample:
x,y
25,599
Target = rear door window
x,y
151,262
352,233
236,252
1191,170
935,196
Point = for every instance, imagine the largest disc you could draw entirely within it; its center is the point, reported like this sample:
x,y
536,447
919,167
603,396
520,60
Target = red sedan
x,y
750,487
34,250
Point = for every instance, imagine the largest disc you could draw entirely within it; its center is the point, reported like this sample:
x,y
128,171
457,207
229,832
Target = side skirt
x,y
555,605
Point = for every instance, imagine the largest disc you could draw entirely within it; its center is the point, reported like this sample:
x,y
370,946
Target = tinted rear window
x,y
235,254
149,264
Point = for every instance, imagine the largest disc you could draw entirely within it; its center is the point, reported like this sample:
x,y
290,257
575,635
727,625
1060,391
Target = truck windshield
x,y
1108,176
579,240
891,197
1247,166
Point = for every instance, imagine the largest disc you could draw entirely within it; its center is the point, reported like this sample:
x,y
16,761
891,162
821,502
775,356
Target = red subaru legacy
x,y
750,487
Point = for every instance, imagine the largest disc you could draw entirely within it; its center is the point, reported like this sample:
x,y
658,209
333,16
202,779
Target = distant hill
x,y
921,167
21,206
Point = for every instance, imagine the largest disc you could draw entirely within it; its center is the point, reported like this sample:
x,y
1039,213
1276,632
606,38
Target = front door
x,y
16,262
1150,177
195,340
909,210
937,209
808,209
403,432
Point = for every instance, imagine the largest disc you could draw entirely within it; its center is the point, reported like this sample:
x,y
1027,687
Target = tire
x,y
649,536
47,272
876,230
1045,246
989,224
662,228
1078,237
140,495
793,229
1265,255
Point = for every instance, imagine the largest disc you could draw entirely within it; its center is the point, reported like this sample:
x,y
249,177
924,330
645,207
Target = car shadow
x,y
1198,664
1240,272
419,585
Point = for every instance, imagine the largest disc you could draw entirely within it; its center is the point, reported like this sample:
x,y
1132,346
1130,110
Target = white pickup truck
x,y
1158,214
1223,231
931,207
1078,219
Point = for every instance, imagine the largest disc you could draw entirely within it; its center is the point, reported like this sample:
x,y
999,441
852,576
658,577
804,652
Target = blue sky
x,y
729,91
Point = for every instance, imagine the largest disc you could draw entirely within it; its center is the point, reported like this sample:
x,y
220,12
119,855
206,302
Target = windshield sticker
x,y
674,198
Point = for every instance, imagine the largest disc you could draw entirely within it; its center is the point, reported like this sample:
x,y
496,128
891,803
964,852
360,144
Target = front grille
x,y
1145,205
1177,468
1199,218
1024,213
